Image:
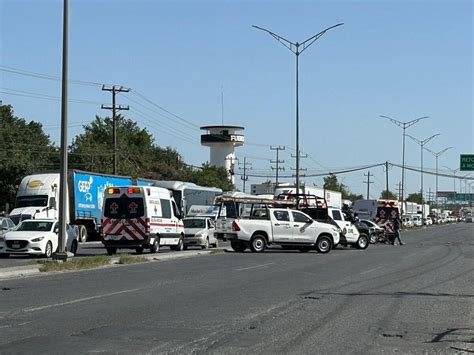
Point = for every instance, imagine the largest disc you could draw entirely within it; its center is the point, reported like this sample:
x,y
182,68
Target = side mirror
x,y
52,202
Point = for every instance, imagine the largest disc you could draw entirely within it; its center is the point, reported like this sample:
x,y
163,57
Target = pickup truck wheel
x,y
111,251
323,245
155,247
362,242
239,247
304,249
258,243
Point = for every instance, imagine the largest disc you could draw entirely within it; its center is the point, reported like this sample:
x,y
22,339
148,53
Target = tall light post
x,y
61,253
404,126
297,49
437,155
454,171
422,144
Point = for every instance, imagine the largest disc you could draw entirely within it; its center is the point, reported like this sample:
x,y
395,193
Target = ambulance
x,y
139,218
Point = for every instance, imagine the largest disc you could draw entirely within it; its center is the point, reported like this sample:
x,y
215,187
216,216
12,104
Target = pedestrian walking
x,y
396,229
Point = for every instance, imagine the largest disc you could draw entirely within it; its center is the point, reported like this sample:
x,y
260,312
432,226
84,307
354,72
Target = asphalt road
x,y
85,249
417,298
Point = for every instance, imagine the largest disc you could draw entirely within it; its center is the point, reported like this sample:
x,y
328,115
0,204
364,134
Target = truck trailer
x,y
38,197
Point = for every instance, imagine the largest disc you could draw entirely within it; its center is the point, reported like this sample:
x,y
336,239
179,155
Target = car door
x,y
281,226
302,228
349,232
210,231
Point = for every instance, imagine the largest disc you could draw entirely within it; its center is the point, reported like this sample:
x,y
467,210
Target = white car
x,y
199,231
36,237
407,222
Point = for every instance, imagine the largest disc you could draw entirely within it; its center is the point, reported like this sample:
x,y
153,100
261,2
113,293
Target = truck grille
x,y
189,235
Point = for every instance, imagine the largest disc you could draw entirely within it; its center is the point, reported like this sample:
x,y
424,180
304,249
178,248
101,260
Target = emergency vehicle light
x,y
112,191
134,190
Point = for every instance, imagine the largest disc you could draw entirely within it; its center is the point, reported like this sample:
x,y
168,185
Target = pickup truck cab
x,y
291,229
352,231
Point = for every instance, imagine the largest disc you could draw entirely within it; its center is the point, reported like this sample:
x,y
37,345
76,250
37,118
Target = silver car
x,y
199,232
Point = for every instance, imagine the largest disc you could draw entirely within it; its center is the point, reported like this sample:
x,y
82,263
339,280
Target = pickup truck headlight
x,y
39,239
198,235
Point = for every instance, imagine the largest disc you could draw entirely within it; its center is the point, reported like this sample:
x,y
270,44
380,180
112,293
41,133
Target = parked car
x,y
199,231
407,222
468,219
427,221
36,237
6,224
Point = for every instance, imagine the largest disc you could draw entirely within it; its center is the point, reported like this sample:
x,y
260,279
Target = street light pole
x,y
404,126
437,155
295,48
422,143
454,171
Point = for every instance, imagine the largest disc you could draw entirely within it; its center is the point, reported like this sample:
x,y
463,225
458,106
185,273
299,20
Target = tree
x,y
24,149
211,176
331,183
391,195
414,197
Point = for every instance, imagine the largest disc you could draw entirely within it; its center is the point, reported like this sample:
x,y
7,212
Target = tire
x,y
49,250
83,234
205,246
304,249
111,251
323,244
239,247
4,255
139,250
258,243
74,246
155,247
178,247
185,247
362,242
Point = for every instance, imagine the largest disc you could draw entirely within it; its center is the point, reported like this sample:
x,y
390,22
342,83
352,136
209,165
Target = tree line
x,y
26,149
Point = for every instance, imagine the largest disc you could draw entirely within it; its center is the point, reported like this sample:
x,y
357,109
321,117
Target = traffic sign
x,y
467,162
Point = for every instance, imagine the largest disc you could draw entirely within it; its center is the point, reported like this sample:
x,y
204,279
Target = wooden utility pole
x,y
368,182
277,168
115,108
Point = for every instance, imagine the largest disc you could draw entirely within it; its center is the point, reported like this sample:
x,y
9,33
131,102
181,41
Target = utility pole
x,y
386,180
297,48
368,182
404,126
298,169
399,187
277,168
115,108
245,177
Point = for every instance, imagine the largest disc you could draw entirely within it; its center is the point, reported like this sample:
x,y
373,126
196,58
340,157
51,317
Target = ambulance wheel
x,y
155,247
178,247
111,251
139,250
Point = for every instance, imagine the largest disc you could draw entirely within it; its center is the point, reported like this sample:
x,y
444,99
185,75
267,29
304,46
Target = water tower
x,y
222,140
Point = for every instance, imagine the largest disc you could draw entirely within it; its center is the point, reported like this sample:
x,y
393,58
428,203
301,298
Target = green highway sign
x,y
467,162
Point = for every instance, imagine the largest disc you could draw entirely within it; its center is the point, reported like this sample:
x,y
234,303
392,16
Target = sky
x,y
403,59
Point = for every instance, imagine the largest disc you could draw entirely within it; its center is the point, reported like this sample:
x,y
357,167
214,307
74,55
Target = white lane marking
x,y
371,270
34,309
254,267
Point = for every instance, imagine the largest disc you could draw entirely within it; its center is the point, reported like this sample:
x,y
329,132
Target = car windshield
x,y
35,226
194,223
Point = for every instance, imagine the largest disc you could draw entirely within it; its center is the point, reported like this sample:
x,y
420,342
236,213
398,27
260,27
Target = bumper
x,y
110,242
194,241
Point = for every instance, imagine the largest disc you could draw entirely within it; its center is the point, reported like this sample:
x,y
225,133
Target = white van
x,y
140,217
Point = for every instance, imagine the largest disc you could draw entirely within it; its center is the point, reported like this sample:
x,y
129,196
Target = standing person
x,y
396,228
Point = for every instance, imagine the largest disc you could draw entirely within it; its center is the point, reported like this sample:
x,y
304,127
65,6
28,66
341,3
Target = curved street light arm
x,y
415,139
288,44
430,138
416,120
397,122
314,38
437,154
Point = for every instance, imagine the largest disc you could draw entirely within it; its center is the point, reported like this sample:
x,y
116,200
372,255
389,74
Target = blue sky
x,y
403,59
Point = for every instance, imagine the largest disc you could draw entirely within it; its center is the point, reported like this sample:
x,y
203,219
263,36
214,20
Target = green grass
x,y
129,259
89,262
217,251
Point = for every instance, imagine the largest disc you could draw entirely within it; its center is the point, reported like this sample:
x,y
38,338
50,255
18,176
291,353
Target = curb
x,y
33,270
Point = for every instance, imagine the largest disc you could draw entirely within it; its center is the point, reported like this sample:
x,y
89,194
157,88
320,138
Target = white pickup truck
x,y
291,229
